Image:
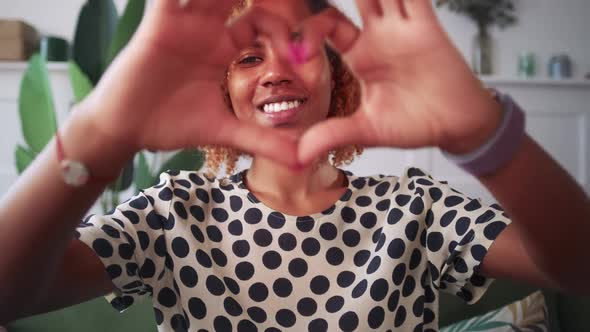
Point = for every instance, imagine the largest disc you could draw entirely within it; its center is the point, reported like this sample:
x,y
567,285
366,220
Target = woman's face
x,y
267,90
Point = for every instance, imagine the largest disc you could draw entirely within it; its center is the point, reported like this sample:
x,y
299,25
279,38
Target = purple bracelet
x,y
502,147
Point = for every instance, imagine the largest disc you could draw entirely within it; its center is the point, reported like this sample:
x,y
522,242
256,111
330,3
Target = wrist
x,y
81,140
481,135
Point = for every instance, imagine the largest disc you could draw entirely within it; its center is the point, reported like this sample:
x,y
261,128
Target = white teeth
x,y
280,107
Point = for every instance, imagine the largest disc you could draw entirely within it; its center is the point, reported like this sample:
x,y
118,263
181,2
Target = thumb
x,y
333,133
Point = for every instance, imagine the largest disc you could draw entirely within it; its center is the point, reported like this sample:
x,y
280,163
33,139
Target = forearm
x,y
39,213
551,211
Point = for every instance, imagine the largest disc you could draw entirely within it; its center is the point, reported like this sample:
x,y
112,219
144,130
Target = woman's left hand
x,y
417,90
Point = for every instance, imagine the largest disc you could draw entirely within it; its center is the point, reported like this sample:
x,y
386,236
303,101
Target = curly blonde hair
x,y
345,99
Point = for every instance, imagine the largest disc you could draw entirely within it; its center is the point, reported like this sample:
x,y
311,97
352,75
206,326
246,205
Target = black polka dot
x,y
257,314
368,220
394,216
103,248
235,228
167,297
485,217
219,257
298,267
379,289
361,257
217,196
132,216
182,194
253,216
453,200
232,285
334,304
204,259
402,200
393,300
412,230
307,306
351,237
396,248
409,286
360,289
435,194
319,285
244,270
180,247
310,246
417,206
232,307
448,217
197,212
285,317
472,205
376,317
197,308
219,214
363,201
462,225
435,241
382,189
258,292
318,325
241,248
334,256
400,316
349,321
478,252
246,326
202,195
374,265
139,203
221,324
148,269
383,205
348,214
214,233
287,241
262,237
271,259
328,231
215,285
399,273
415,259
282,287
492,230
345,278
188,276
276,220
235,203
305,224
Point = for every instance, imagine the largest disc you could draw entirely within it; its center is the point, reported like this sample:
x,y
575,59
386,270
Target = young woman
x,y
293,243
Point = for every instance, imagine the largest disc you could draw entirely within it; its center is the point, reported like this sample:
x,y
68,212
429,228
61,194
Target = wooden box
x,y
18,40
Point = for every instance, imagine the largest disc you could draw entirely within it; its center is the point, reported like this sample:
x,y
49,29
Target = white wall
x,y
546,27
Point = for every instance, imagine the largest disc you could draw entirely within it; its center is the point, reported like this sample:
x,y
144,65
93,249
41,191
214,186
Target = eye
x,y
249,60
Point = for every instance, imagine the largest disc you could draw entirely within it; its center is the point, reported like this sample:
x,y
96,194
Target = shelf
x,y
494,80
22,66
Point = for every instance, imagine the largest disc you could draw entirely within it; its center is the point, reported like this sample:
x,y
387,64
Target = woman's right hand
x,y
163,91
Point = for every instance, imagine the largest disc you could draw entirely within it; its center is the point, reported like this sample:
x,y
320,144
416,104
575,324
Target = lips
x,y
282,109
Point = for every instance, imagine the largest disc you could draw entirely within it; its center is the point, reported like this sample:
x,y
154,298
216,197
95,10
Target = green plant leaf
x,y
126,28
94,32
143,176
81,85
125,179
24,157
186,160
36,108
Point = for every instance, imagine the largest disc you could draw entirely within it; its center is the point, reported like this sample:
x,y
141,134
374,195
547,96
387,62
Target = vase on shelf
x,y
482,50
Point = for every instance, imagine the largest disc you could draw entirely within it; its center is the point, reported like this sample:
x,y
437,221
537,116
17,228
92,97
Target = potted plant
x,y
100,35
484,13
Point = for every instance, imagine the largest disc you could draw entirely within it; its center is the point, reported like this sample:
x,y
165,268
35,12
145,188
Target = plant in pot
x,y
484,13
100,35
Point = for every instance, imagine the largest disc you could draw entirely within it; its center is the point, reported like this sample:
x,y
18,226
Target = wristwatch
x,y
503,145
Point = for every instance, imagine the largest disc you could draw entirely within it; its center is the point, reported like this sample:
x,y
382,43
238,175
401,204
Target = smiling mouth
x,y
283,106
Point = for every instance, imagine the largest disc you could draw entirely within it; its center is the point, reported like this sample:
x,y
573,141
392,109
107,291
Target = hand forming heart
x,y
416,87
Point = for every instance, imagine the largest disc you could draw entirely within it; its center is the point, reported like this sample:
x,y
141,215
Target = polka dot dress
x,y
212,257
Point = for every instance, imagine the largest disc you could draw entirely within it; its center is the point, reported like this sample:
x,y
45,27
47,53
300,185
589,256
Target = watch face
x,y
74,173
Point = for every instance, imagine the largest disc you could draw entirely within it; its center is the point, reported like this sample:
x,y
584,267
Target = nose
x,y
277,73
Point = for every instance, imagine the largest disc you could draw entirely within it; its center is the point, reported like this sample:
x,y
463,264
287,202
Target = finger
x,y
396,8
333,133
266,142
215,7
256,21
369,9
330,25
420,8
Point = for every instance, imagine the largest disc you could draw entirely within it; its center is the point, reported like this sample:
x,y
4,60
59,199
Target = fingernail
x,y
297,53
